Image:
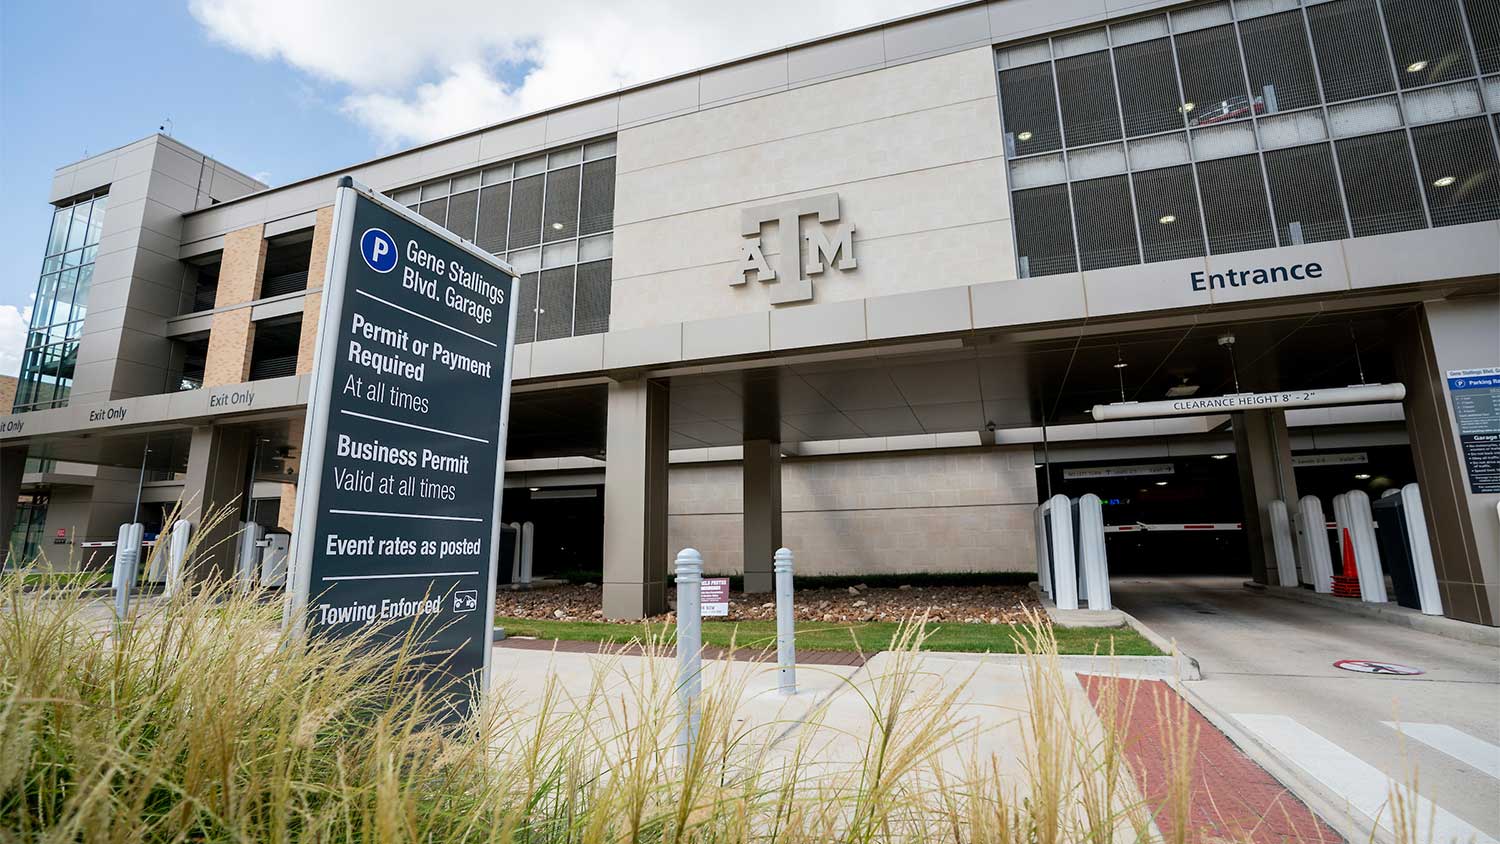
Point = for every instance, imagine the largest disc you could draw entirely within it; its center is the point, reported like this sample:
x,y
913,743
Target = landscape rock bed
x,y
964,604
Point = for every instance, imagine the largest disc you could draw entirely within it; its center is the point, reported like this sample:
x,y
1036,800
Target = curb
x,y
1185,667
1390,613
1328,805
1130,667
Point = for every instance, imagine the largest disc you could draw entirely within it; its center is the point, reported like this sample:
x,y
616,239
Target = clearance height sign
x,y
398,509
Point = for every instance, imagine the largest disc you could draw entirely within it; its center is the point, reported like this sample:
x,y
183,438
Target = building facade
x,y
858,295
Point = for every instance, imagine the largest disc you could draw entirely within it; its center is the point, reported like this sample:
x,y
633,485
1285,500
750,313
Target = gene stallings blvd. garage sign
x,y
397,512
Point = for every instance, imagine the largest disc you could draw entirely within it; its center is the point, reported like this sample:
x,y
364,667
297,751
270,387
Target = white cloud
x,y
13,323
421,70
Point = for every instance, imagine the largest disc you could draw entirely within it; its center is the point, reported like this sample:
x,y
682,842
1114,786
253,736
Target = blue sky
x,y
284,89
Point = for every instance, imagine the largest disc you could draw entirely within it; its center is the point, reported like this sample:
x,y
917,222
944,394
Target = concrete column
x,y
12,467
762,526
1462,525
312,306
215,486
231,334
635,500
1263,451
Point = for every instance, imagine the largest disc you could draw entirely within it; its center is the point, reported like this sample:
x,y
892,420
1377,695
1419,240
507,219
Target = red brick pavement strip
x,y
1233,799
709,652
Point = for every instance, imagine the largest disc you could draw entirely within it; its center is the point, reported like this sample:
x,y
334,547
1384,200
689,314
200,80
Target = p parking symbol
x,y
379,250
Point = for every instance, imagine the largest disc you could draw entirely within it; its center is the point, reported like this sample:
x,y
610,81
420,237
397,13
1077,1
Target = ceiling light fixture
x,y
1362,476
1220,456
1182,390
1161,483
1023,136
557,226
1186,107
535,488
1443,182
1121,365
1167,219
1417,66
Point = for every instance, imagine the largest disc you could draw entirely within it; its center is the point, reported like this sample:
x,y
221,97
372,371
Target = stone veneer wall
x,y
889,513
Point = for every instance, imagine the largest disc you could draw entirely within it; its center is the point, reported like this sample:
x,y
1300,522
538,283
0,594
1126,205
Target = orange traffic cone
x,y
1346,585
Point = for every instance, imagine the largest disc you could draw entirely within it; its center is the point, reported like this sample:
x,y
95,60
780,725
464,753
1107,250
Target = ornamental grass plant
x,y
198,719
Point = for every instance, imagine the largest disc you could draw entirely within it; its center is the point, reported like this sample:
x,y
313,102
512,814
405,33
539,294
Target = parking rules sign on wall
x,y
404,447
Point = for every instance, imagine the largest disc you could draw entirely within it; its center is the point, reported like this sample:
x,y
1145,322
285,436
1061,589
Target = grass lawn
x,y
871,636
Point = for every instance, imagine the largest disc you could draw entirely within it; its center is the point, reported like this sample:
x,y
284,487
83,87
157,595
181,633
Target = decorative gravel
x,y
965,604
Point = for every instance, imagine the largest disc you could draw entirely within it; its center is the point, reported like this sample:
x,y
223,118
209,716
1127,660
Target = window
x,y
1457,162
526,308
273,354
287,265
1248,125
1044,231
526,211
561,214
51,354
1379,184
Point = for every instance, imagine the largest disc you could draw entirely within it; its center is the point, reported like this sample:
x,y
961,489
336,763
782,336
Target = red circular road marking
x,y
1371,666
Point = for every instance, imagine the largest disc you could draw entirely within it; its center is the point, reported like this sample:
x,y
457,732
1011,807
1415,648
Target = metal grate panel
x,y
435,210
526,212
1427,41
1278,61
1350,49
1106,223
1167,209
1459,174
1379,184
1234,205
461,210
554,317
1305,195
1213,85
1148,87
597,203
1484,28
1086,88
591,311
494,210
526,309
1044,232
1029,106
560,221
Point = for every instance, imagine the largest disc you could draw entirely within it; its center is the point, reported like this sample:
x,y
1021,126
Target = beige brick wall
x,y
7,393
895,513
307,343
231,334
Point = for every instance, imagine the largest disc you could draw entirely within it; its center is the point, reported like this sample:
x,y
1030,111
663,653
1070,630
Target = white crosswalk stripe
x,y
1476,753
1363,785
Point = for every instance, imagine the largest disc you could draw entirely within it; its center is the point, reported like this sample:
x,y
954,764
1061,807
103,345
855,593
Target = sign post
x,y
403,451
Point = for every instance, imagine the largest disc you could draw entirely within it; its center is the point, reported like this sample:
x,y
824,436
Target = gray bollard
x,y
689,647
786,631
177,548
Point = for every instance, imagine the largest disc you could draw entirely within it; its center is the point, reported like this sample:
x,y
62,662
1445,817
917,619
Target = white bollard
x,y
515,556
177,547
1366,553
1312,533
1064,563
1093,559
528,544
1043,559
1421,551
689,647
127,565
786,630
247,567
1281,542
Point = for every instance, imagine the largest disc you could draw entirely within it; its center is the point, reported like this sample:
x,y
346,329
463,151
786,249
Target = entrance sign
x,y
1370,666
1284,400
1476,409
715,597
1131,471
404,447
